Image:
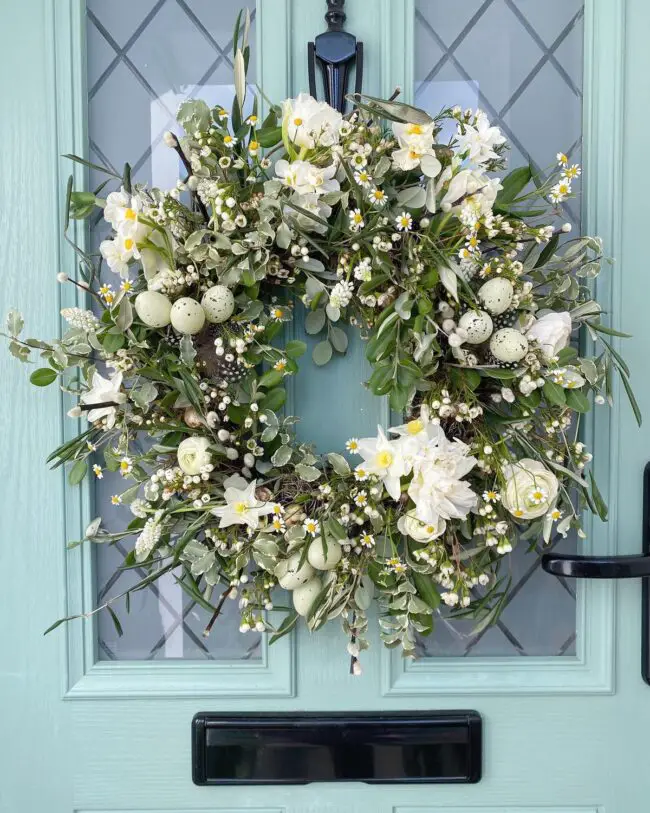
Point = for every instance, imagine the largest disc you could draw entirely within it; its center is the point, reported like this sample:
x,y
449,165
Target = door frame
x,y
282,38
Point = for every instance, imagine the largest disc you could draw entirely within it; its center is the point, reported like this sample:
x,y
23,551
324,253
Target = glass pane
x,y
513,59
144,59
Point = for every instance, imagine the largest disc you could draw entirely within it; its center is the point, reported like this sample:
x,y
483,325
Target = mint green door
x,y
93,722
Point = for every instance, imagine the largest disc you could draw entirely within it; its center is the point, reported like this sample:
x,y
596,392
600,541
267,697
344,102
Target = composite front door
x,y
96,722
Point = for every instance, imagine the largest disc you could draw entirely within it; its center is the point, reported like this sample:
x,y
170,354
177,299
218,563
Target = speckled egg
x,y
218,304
478,326
304,596
154,309
508,345
317,557
291,574
187,315
496,295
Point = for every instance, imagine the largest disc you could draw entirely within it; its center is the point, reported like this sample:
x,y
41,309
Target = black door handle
x,y
616,567
597,567
608,567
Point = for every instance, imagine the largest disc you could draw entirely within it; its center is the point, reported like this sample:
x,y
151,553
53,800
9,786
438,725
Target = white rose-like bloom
x,y
552,332
193,454
530,488
421,531
310,123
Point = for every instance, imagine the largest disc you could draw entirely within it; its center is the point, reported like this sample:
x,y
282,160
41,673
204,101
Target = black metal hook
x,y
336,51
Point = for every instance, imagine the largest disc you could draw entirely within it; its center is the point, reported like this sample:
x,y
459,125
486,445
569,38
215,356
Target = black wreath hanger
x,y
336,51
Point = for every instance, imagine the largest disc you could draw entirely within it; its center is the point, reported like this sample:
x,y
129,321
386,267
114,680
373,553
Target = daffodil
x,y
242,506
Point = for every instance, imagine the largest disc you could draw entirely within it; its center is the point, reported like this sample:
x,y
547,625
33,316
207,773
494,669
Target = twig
x,y
188,168
217,611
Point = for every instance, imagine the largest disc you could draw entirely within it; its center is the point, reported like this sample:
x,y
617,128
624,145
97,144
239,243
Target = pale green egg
x,y
153,308
187,315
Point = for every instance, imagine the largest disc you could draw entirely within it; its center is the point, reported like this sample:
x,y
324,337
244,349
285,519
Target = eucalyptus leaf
x,y
322,353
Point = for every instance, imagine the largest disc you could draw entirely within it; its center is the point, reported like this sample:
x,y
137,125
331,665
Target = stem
x,y
188,168
217,612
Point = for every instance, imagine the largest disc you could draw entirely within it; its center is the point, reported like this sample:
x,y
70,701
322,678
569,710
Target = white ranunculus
x,y
310,123
552,332
193,454
421,531
530,488
310,203
306,178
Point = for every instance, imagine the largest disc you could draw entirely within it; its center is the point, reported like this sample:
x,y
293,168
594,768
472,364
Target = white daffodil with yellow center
x,y
105,392
242,505
119,252
383,458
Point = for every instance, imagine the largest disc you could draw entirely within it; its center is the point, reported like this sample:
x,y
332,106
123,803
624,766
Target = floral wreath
x,y
467,297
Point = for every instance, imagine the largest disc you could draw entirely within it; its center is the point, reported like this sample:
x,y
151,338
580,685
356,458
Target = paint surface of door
x,y
93,722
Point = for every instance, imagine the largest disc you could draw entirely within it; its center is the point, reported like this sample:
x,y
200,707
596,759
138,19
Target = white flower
x,y
310,123
104,391
469,182
478,141
123,212
305,178
421,531
341,295
148,538
310,203
414,135
384,459
118,253
81,319
552,332
356,220
193,454
530,488
242,506
404,221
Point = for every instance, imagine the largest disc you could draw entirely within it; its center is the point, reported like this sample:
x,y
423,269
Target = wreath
x,y
467,291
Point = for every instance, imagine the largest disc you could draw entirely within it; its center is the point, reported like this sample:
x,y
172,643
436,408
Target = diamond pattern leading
x,y
144,58
513,58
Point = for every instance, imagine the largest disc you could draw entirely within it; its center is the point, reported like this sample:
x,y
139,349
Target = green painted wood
x,y
570,751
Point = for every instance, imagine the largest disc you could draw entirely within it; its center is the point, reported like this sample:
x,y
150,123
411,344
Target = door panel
x,y
565,728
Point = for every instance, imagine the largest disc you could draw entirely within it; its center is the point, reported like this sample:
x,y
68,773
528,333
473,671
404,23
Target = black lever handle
x,y
616,567
597,567
608,567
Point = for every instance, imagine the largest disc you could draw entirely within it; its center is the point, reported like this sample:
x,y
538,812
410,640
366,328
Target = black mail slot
x,y
291,749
